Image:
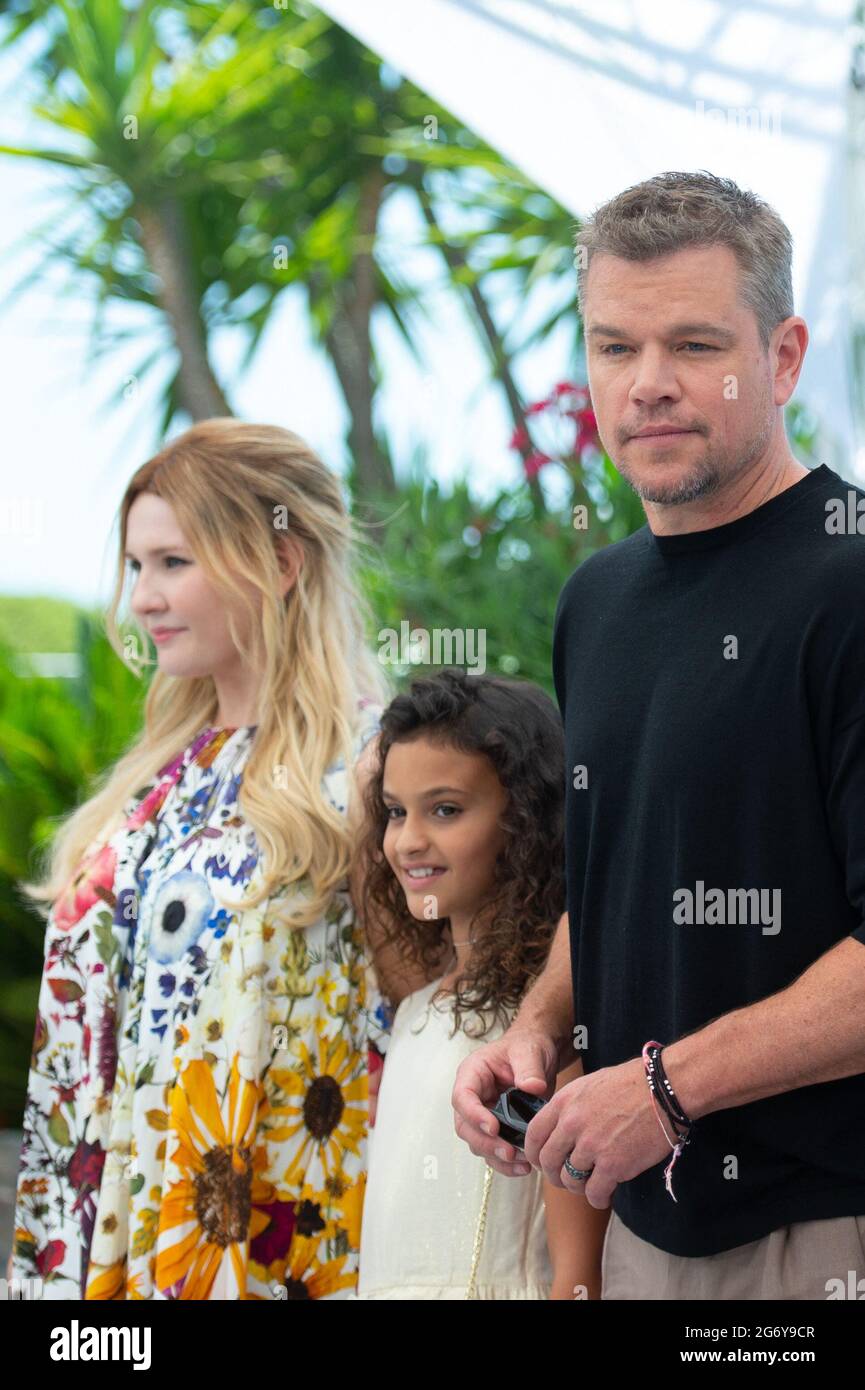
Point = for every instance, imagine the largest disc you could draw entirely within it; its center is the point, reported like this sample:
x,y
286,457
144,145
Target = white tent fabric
x,y
587,97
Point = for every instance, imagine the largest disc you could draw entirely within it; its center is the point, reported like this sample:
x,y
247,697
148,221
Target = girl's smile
x,y
417,874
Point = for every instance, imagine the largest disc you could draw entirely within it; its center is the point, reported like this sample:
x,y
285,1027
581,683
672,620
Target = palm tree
x,y
218,154
168,119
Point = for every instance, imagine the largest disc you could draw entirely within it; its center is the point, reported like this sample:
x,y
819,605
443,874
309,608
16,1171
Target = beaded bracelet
x,y
663,1096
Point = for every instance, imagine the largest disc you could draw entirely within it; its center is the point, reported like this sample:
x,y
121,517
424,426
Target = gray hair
x,y
672,211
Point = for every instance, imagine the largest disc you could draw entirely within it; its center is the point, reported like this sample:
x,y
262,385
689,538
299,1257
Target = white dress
x,y
425,1185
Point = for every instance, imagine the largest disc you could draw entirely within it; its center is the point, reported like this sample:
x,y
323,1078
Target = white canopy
x,y
587,97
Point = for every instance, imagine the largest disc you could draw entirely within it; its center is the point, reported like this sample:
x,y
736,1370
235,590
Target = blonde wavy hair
x,y
233,486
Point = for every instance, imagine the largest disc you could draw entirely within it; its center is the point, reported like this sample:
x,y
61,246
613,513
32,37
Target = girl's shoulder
x,y
412,1003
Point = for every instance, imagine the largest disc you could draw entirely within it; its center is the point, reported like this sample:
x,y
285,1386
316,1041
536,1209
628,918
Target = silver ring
x,y
579,1174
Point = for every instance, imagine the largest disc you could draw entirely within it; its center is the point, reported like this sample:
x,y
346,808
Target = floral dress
x,y
196,1119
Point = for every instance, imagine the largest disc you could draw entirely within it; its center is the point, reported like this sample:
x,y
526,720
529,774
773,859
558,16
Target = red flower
x,y
95,872
274,1241
150,805
570,401
50,1256
587,433
85,1165
534,463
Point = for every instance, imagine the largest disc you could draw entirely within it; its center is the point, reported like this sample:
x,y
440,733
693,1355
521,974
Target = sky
x,y
68,452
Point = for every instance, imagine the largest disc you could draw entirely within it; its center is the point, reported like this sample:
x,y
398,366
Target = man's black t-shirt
x,y
712,686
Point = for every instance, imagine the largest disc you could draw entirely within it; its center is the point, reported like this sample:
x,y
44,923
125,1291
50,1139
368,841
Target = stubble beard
x,y
703,479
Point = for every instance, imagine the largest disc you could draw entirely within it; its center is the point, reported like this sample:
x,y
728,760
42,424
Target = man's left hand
x,y
605,1120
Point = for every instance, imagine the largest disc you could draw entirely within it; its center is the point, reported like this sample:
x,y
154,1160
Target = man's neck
x,y
743,494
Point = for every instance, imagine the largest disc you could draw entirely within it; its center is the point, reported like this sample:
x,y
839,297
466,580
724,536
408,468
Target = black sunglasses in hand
x,y
515,1110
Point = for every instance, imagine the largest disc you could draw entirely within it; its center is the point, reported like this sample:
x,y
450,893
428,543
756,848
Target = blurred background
x,y
241,208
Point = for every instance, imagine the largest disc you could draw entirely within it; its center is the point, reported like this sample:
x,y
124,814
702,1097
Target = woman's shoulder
x,y
368,722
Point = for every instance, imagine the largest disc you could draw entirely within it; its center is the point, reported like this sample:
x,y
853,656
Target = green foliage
x,y
271,131
447,562
38,624
247,118
56,736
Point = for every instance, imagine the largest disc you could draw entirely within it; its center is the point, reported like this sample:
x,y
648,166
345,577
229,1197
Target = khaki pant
x,y
808,1260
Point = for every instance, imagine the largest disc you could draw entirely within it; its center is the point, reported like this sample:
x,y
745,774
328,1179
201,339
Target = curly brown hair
x,y
518,727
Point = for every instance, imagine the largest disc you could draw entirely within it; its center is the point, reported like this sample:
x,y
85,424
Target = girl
x,y
465,848
196,1114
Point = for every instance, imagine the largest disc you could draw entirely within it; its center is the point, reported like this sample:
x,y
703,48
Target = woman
x,y
196,1115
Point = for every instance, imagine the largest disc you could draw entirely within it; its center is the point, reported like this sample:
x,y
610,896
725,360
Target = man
x,y
710,671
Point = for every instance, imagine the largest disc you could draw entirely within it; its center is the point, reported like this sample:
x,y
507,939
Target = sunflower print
x,y
205,1214
322,1106
196,1120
